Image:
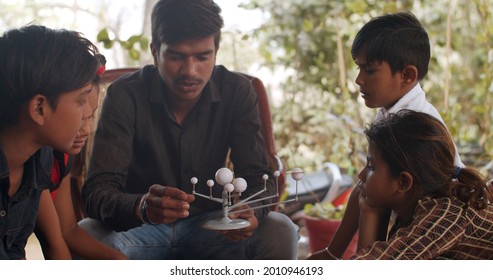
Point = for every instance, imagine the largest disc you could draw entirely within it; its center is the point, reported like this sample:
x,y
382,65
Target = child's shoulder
x,y
414,100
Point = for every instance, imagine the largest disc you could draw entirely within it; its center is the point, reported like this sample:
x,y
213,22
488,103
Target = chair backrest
x,y
275,162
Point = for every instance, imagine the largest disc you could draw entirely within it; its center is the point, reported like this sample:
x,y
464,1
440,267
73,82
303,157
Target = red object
x,y
101,70
343,198
321,232
56,172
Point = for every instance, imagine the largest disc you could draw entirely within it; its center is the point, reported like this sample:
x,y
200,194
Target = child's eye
x,y
90,118
369,70
83,101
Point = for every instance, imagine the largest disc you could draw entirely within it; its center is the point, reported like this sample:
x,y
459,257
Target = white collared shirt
x,y
415,100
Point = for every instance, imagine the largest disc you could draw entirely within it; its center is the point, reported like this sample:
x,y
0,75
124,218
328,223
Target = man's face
x,y
186,67
378,86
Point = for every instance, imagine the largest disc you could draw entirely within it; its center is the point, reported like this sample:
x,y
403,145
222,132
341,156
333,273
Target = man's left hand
x,y
243,233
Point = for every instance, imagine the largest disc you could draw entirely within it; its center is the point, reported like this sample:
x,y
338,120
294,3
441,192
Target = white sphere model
x,y
240,184
297,173
210,183
277,173
224,176
194,180
229,188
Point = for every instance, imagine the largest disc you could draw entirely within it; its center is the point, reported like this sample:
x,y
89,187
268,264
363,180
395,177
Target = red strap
x,y
56,176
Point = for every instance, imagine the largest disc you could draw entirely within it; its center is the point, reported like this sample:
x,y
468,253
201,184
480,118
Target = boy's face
x,y
62,124
186,67
378,86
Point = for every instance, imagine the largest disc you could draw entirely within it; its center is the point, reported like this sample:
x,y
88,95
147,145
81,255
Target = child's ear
x,y
406,181
410,75
37,108
154,53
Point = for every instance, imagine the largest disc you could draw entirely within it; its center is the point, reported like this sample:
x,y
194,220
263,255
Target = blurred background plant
x,y
301,50
324,210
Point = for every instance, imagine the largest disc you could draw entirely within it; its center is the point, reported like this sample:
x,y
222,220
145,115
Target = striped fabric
x,y
442,228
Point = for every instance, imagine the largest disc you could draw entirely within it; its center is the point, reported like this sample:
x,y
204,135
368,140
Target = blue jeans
x,y
276,239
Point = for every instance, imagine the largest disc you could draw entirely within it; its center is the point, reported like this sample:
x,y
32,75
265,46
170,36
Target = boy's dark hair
x,y
420,144
38,60
398,39
173,21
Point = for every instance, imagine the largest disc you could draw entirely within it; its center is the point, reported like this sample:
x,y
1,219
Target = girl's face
x,y
378,185
88,125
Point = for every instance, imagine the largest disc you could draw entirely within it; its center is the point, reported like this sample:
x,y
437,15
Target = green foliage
x,y
324,210
321,115
133,45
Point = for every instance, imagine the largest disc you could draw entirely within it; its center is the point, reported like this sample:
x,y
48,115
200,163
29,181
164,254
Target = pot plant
x,y
321,221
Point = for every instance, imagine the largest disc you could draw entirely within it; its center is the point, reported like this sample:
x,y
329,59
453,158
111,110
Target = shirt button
x,y
3,213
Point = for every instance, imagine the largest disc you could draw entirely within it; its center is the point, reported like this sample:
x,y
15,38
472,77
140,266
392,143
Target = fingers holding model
x,y
164,205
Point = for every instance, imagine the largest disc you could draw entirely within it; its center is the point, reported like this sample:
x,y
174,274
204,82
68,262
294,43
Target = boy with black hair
x,y
392,53
45,77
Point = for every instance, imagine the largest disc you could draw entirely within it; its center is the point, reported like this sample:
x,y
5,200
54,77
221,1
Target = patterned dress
x,y
442,228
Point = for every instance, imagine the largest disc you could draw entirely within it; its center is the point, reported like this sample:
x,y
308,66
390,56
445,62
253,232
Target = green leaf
x,y
108,44
134,54
103,36
144,43
307,25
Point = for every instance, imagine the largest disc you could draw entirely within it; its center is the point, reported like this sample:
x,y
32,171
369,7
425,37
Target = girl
x,y
443,211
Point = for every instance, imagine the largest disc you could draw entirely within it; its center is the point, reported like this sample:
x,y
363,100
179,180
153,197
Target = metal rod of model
x,y
225,178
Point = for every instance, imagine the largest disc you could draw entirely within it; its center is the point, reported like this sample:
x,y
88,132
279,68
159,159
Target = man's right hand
x,y
167,204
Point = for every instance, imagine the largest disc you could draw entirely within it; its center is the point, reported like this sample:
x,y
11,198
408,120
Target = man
x,y
172,121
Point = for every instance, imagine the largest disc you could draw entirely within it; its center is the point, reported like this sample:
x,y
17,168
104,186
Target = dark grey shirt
x,y
138,143
18,213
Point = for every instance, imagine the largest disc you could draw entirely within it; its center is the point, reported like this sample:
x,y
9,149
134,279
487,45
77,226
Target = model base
x,y
226,224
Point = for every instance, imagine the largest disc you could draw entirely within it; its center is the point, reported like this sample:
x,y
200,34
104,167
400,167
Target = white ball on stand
x,y
297,173
229,188
224,176
240,184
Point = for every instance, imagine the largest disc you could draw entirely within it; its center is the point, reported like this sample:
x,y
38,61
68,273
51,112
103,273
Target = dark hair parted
x,y
173,21
398,39
421,145
38,60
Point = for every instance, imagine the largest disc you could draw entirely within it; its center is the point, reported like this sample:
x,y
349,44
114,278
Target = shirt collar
x,y
406,102
34,176
4,168
40,179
